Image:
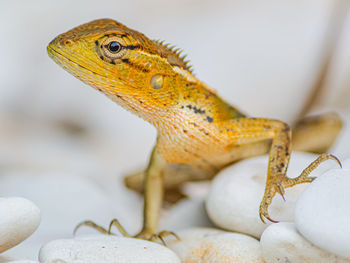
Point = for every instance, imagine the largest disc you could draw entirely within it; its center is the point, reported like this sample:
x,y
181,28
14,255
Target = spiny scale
x,y
176,53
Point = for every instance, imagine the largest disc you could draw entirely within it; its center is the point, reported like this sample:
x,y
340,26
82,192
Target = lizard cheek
x,y
157,81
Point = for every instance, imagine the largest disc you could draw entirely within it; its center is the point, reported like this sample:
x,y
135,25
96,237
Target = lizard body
x,y
195,127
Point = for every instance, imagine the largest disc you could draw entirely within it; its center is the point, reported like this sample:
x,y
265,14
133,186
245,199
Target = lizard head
x,y
124,64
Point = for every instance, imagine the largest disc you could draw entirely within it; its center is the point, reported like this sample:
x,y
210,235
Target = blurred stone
x,y
19,219
24,261
185,214
66,200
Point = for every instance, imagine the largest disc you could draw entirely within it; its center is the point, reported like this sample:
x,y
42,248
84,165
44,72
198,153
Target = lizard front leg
x,y
153,194
153,198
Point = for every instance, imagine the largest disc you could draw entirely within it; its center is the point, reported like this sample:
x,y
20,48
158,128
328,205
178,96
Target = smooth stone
x,y
282,243
19,219
235,195
208,245
322,213
106,249
68,199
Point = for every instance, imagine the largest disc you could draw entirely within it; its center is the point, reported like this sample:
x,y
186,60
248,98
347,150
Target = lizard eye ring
x,y
112,48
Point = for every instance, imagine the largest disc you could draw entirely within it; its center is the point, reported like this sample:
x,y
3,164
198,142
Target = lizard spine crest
x,y
174,55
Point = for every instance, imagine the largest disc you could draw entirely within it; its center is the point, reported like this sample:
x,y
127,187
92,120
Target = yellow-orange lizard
x,y
199,133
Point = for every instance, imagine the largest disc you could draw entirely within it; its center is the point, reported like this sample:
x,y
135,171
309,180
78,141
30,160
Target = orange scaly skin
x,y
195,126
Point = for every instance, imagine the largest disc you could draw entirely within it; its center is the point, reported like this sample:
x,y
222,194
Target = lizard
x,y
196,128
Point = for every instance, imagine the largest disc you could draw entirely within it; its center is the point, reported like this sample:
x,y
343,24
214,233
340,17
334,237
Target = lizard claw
x,y
121,229
281,191
161,235
143,234
263,213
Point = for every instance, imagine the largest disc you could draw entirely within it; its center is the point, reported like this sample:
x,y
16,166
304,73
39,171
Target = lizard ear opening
x,y
157,81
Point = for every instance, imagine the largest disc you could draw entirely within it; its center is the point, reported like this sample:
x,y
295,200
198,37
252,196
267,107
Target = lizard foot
x,y
144,234
279,183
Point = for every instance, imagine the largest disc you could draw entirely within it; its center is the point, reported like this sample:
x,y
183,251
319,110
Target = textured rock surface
x,y
282,243
215,246
106,249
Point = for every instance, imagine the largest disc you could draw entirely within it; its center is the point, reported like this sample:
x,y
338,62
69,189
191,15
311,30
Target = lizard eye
x,y
114,47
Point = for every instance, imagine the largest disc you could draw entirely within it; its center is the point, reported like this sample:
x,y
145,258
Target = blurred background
x,y
265,57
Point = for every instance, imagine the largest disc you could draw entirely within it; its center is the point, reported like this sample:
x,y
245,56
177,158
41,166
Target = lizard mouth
x,y
62,60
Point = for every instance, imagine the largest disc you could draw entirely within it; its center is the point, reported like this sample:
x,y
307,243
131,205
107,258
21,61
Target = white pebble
x,y
215,246
281,243
235,195
19,219
106,249
322,213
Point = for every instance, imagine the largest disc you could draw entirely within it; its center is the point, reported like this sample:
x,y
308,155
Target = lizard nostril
x,y
67,42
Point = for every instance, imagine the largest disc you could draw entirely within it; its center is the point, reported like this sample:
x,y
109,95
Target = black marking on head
x,y
112,62
96,42
189,106
137,66
182,106
99,89
209,119
141,101
185,131
111,34
123,35
101,57
131,47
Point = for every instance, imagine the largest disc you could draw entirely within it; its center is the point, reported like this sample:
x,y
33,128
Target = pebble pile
x,y
314,222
